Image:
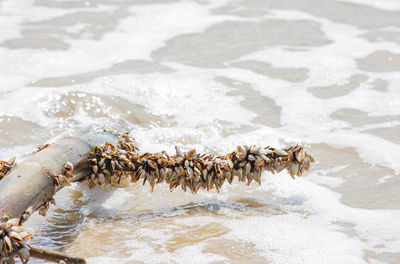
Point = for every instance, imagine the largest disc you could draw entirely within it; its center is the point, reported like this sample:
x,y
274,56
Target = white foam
x,y
189,99
327,207
293,239
384,179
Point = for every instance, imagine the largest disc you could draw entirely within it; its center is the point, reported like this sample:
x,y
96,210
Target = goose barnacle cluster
x,y
6,166
192,170
13,239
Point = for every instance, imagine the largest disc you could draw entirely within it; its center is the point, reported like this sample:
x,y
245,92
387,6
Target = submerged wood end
x,y
50,255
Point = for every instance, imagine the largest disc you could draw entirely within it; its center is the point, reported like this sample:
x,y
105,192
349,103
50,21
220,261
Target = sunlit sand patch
x,y
68,105
358,118
51,34
294,75
388,257
336,11
379,85
235,251
126,67
161,234
336,90
360,178
240,10
94,3
268,115
188,235
389,133
97,238
380,61
16,131
383,35
224,47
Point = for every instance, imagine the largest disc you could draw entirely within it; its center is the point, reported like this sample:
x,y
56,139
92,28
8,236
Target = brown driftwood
x,y
50,255
31,184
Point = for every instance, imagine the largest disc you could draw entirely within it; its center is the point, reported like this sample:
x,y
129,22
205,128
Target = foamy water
x,y
211,75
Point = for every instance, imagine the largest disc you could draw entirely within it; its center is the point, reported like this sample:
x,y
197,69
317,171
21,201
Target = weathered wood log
x,y
50,255
31,183
108,158
192,170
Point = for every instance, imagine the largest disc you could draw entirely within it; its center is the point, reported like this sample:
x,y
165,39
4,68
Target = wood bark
x,y
50,255
31,184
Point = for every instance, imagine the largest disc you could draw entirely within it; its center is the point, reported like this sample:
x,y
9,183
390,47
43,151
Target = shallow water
x,y
211,75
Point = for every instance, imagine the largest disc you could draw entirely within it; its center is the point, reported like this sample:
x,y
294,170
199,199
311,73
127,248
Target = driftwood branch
x,y
31,185
50,255
192,170
31,182
106,158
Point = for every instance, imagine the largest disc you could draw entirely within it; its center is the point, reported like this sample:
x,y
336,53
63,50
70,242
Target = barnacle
x,y
192,170
6,166
42,147
13,239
